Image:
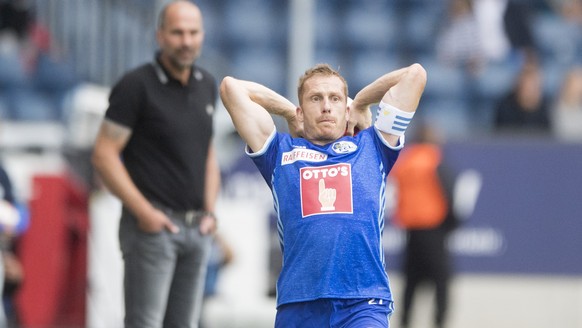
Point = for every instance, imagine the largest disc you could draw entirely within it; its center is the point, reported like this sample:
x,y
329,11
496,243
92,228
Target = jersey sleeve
x,y
125,101
388,153
266,158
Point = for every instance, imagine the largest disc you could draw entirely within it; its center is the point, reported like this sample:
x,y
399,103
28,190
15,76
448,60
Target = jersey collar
x,y
165,77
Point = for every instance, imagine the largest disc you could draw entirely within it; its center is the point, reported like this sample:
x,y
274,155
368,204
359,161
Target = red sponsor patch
x,y
326,189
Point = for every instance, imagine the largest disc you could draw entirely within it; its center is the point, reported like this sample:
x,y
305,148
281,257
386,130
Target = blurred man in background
x,y
154,151
424,192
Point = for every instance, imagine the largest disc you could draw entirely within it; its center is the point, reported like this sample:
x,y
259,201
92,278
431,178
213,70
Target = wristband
x,y
392,120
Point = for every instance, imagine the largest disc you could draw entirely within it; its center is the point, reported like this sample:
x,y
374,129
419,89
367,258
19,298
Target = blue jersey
x,y
330,205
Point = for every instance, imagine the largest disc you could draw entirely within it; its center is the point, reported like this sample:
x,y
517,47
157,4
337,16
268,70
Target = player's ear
x,y
299,113
348,107
347,113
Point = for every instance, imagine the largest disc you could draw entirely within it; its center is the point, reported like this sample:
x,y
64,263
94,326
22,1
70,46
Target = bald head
x,y
176,6
180,35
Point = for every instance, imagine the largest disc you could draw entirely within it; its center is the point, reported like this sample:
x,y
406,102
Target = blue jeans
x,y
164,274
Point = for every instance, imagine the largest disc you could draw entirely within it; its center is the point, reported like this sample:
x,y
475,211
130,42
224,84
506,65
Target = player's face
x,y
323,109
181,37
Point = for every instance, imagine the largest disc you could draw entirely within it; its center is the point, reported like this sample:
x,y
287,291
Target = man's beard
x,y
183,64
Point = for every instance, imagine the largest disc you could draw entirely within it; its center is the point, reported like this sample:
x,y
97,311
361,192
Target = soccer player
x,y
328,188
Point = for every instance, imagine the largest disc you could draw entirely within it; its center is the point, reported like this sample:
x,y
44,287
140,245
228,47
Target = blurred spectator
x,y
525,108
571,10
13,222
517,22
13,30
489,14
221,255
424,193
35,76
570,13
19,25
459,42
567,112
15,16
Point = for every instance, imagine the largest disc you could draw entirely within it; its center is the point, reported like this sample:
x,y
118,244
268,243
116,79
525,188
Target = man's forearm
x,y
401,101
273,102
212,187
373,92
118,181
106,160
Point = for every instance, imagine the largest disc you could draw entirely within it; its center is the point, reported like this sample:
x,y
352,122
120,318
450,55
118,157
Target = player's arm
x,y
400,90
360,118
360,114
211,191
250,105
106,159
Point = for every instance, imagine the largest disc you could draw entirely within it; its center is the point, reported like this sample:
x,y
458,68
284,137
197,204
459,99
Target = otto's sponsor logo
x,y
299,154
326,189
343,147
324,172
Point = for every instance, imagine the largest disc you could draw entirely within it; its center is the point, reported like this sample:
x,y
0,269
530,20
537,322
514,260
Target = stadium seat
x,y
420,28
253,23
557,39
326,26
26,104
4,113
553,74
213,23
496,79
12,72
54,75
370,25
443,80
263,65
331,57
449,114
366,66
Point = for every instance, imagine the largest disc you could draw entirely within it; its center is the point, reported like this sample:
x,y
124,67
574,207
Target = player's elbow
x,y
227,91
226,86
233,92
417,73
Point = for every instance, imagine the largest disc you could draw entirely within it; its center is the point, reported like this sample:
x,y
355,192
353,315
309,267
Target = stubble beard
x,y
183,64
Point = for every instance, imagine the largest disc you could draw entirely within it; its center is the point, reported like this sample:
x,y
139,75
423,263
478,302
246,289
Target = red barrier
x,y
54,255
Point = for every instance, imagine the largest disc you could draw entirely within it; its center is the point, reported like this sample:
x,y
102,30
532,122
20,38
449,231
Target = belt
x,y
189,216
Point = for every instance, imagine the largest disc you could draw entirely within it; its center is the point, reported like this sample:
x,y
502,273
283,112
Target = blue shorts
x,y
335,313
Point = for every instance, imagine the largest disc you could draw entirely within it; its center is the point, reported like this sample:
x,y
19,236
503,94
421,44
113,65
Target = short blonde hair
x,y
319,69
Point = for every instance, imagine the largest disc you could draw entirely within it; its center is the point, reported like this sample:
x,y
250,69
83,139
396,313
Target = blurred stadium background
x,y
517,257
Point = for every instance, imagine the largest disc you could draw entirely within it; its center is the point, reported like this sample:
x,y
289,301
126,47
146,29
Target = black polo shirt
x,y
171,132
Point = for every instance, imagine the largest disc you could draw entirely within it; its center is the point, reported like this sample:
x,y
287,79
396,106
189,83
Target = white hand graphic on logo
x,y
326,197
